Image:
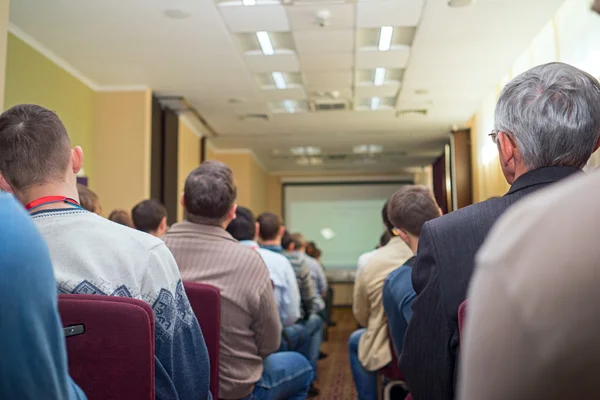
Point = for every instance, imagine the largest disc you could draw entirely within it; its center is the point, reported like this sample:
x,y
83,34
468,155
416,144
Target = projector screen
x,y
344,219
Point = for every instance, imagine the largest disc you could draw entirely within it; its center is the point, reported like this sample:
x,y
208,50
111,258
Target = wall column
x,y
3,39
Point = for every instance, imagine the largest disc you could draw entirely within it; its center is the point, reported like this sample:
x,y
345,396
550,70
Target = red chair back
x,y
206,303
392,370
111,350
462,315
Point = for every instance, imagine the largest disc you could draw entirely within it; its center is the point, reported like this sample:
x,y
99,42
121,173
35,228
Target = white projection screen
x,y
344,219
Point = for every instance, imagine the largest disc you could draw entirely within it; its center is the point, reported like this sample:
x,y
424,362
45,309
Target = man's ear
x,y
403,235
4,185
281,230
257,227
77,159
232,212
162,227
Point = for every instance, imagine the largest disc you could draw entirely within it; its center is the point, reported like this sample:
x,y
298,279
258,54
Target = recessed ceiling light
x,y
279,80
367,149
385,38
379,76
249,2
305,151
459,3
312,150
177,14
265,43
289,105
375,103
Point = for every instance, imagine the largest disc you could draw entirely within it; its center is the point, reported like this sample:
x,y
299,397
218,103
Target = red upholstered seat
x,y
393,373
114,356
206,303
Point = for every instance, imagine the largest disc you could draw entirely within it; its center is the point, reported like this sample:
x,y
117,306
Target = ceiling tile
x,y
329,79
323,41
305,17
326,93
270,18
372,14
296,93
388,59
326,61
278,62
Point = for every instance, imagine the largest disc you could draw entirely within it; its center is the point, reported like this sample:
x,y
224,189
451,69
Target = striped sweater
x,y
250,325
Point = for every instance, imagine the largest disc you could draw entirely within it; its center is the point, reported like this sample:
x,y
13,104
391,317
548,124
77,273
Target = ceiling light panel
x,y
279,80
288,106
376,103
379,76
385,38
266,43
371,39
238,3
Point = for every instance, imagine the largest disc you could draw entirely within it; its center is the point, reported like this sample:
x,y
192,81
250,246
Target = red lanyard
x,y
42,201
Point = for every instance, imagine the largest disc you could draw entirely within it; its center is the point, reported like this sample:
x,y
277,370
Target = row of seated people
x,y
533,314
270,338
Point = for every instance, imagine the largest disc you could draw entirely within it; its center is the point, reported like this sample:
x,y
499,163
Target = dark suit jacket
x,y
441,275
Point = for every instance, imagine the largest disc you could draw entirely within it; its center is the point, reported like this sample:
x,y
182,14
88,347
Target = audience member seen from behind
x,y
91,255
250,326
150,216
88,199
121,217
364,258
316,270
313,251
287,294
33,364
271,234
534,310
547,125
294,336
408,209
369,347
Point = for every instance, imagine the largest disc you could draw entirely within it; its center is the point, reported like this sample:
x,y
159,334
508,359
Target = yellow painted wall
x,y
189,159
4,6
121,148
274,195
32,78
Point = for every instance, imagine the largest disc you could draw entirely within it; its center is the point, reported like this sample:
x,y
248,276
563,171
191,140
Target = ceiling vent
x,y
262,117
328,105
419,112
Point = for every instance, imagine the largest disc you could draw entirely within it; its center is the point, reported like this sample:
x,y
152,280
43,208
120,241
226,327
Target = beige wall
x,y
3,42
251,179
121,148
274,195
188,160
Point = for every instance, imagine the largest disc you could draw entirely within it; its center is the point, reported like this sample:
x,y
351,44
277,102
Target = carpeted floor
x,y
335,378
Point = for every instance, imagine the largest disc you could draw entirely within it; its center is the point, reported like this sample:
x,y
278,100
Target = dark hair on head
x,y
34,146
243,227
385,238
88,199
269,225
288,239
121,217
410,207
209,192
312,250
148,214
386,220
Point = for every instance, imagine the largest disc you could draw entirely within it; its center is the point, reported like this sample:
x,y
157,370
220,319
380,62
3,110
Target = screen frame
x,y
338,183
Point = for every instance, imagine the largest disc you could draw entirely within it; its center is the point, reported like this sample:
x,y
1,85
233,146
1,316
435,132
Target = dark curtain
x,y
439,183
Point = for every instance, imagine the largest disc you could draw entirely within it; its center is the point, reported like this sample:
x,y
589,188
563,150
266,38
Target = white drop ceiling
x,y
443,60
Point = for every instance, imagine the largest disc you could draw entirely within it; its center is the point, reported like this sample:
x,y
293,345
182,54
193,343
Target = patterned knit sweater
x,y
92,255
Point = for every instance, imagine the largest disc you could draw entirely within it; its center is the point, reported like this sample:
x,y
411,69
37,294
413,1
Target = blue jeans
x,y
286,375
305,338
365,381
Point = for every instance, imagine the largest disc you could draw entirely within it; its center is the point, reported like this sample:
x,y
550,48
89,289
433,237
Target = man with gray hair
x,y
547,124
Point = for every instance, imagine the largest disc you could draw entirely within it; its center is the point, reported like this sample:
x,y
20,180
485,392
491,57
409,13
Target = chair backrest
x,y
392,370
462,315
110,345
206,303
